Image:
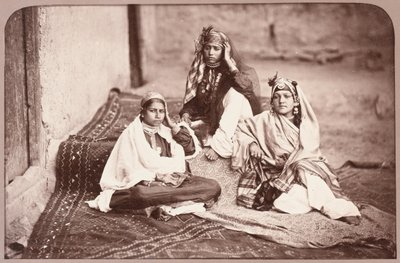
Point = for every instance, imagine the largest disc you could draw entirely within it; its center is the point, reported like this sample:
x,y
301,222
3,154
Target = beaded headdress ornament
x,y
279,83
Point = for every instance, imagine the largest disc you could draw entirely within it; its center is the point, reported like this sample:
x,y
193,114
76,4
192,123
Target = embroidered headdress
x,y
209,36
151,95
279,83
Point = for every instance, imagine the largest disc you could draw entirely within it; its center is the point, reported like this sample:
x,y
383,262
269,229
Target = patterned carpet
x,y
69,229
311,230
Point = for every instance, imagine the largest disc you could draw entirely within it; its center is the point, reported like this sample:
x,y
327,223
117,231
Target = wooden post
x,y
24,145
135,46
16,137
36,145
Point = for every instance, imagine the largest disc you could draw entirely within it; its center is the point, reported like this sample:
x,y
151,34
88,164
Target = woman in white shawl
x,y
147,166
277,153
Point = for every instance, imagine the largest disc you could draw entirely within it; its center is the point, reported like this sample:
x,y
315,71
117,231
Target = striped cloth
x,y
289,153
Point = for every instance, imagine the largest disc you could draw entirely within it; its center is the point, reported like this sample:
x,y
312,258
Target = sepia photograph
x,y
232,130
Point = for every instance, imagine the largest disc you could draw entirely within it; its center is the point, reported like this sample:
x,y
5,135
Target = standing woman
x,y
147,166
219,91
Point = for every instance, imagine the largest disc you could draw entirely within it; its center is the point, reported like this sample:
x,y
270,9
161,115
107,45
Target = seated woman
x,y
219,92
277,153
147,166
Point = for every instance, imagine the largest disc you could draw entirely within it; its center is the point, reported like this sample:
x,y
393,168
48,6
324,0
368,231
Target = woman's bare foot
x,y
352,220
211,155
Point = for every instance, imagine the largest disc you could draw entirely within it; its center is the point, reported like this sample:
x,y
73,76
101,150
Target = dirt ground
x,y
346,100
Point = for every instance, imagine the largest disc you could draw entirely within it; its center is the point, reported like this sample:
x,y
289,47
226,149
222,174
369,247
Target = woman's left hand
x,y
227,56
227,52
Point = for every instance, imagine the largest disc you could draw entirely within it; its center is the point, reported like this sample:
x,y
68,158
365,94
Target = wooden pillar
x,y
23,140
36,146
135,58
16,136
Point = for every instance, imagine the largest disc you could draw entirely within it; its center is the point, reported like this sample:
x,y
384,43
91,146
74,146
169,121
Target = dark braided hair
x,y
297,117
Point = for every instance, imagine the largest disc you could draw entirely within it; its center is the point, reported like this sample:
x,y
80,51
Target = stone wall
x,y
83,53
270,30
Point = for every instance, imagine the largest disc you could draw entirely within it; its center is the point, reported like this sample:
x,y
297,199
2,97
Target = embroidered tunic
x,y
221,101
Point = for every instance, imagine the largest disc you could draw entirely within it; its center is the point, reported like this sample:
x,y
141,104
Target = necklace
x,y
150,130
213,65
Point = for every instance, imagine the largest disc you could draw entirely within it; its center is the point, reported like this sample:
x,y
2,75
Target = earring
x,y
295,110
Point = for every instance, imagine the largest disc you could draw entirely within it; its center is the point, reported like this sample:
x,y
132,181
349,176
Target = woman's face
x,y
212,53
283,103
154,114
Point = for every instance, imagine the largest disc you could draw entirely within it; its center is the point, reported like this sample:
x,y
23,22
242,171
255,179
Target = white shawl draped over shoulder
x,y
133,160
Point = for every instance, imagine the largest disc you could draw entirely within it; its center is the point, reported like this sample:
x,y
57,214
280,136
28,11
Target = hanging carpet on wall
x,y
69,229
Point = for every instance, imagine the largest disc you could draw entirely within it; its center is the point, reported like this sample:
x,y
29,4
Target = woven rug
x,y
69,229
311,230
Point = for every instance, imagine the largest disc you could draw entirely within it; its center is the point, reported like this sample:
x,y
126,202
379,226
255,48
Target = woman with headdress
x,y
277,153
147,167
219,91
